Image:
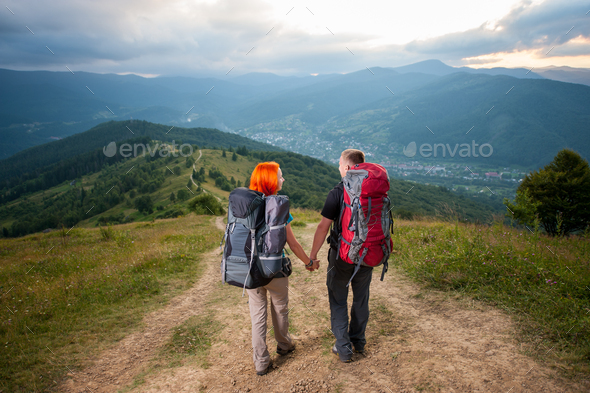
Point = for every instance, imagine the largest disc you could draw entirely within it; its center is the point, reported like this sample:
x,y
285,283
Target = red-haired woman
x,y
267,178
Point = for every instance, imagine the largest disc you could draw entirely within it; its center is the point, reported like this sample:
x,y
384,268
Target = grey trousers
x,y
279,308
353,334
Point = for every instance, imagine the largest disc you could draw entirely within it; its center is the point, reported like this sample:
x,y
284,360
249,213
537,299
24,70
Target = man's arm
x,y
319,237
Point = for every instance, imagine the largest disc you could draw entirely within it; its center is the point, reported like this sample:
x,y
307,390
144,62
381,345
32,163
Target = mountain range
x,y
378,109
87,182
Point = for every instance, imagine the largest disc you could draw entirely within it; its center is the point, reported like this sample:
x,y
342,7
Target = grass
x,y
305,216
192,339
68,297
382,320
543,282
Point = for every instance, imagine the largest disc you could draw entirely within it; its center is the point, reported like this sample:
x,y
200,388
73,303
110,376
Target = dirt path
x,y
415,342
195,184
118,366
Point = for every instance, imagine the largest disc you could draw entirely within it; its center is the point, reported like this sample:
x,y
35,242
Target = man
x,y
349,337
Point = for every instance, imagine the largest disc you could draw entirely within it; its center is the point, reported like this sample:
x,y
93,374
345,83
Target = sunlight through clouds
x,y
208,37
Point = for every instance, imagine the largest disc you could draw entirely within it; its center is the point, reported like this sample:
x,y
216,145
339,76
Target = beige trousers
x,y
279,303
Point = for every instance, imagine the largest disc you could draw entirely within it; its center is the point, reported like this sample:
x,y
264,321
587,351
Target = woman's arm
x,y
295,246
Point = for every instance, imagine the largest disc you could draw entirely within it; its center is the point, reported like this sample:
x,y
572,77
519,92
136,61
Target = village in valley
x,y
474,180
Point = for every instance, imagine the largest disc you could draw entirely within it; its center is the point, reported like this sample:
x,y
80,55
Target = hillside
x,y
119,190
28,164
506,112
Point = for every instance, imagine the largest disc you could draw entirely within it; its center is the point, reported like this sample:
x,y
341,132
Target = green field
x,y
67,296
543,282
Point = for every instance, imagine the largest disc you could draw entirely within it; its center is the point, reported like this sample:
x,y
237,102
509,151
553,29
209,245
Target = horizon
x,y
226,38
151,76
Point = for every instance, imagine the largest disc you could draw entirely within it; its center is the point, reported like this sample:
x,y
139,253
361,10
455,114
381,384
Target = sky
x,y
224,38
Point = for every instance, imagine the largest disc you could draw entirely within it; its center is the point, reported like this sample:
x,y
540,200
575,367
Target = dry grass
x,y
69,296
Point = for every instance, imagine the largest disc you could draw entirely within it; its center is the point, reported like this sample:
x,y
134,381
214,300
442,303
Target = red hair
x,y
265,178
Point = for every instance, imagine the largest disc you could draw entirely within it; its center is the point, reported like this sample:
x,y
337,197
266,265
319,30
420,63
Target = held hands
x,y
314,266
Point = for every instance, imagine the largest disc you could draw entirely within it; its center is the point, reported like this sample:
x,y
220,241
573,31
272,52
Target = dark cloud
x,y
154,37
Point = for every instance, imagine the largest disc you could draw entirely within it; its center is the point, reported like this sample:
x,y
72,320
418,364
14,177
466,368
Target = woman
x,y
268,179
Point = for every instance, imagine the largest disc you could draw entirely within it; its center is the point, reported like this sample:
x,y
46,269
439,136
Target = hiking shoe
x,y
342,359
284,352
359,350
266,370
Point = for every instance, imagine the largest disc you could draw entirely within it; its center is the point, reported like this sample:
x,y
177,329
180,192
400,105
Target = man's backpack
x,y
365,218
255,236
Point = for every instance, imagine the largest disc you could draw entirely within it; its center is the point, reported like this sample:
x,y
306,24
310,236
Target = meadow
x,y
66,296
542,281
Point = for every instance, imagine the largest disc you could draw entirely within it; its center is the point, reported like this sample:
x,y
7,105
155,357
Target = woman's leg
x,y
258,303
279,308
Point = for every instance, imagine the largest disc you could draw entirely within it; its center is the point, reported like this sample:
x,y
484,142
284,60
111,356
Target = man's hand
x,y
315,265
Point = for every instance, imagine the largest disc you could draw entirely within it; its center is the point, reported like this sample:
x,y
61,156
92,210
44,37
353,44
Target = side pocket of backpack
x,y
270,265
276,216
287,267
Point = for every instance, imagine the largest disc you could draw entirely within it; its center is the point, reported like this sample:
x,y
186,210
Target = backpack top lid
x,y
374,175
244,201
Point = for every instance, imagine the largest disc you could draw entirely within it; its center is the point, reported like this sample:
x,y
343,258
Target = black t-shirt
x,y
331,211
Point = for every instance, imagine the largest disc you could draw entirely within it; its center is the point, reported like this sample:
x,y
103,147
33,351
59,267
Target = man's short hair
x,y
353,156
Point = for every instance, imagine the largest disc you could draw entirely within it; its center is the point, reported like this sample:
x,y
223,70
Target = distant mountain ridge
x,y
566,74
310,115
437,67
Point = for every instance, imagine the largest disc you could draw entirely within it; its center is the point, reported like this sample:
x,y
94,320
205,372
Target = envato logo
x,y
164,150
465,150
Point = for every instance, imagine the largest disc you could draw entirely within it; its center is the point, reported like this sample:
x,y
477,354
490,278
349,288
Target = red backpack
x,y
365,218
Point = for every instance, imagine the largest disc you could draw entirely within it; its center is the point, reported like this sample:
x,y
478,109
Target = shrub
x,y
556,196
206,204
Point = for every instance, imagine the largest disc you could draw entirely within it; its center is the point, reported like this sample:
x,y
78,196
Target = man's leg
x,y
279,309
257,302
359,312
338,294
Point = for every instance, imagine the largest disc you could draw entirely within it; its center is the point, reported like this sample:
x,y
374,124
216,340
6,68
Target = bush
x,y
182,195
144,204
171,213
206,204
112,219
556,196
404,214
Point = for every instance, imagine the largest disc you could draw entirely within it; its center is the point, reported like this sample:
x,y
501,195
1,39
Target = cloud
x,y
200,38
528,26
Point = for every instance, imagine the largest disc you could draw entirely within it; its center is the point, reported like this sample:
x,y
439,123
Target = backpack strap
x,y
386,253
252,253
369,211
223,260
352,224
337,223
358,266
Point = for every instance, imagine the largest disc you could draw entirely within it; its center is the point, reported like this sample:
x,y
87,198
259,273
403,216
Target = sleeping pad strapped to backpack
x,y
255,236
366,218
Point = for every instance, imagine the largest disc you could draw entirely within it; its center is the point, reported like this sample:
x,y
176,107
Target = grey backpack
x,y
254,237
